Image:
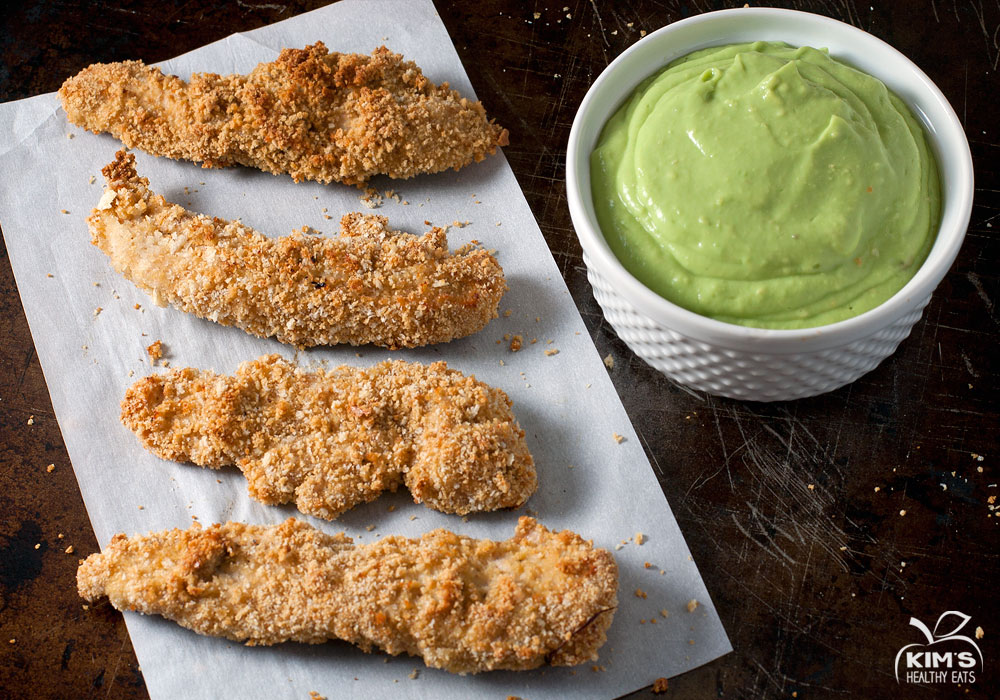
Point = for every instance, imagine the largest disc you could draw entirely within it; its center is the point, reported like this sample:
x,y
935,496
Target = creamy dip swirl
x,y
767,185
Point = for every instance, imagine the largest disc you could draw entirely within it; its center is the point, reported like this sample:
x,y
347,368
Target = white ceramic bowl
x,y
752,363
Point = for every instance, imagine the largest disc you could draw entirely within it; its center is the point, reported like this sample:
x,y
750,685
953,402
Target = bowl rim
x,y
945,135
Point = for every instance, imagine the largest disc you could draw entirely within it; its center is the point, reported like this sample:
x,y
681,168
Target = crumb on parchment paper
x,y
313,695
155,351
660,686
516,343
371,198
692,605
618,438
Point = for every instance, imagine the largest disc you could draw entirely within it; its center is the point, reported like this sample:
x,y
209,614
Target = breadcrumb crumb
x,y
155,351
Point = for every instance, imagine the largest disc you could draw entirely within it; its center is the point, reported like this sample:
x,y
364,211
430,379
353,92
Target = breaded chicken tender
x,y
369,285
462,605
312,114
329,440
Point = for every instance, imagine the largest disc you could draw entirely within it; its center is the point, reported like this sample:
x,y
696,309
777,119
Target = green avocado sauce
x,y
767,186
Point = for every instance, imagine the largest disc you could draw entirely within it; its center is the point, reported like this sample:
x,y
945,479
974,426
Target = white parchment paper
x,y
565,401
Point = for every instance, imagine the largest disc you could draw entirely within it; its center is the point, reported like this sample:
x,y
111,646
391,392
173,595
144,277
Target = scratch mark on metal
x,y
968,364
600,24
981,291
656,462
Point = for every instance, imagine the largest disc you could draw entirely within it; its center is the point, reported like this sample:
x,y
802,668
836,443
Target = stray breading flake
x,y
370,285
463,605
328,440
692,605
155,351
640,538
313,114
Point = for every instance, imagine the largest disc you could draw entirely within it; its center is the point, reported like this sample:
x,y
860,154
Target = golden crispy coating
x,y
461,604
370,285
313,114
329,440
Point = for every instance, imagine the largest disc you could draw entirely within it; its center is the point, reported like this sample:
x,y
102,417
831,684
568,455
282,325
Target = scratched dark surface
x,y
820,526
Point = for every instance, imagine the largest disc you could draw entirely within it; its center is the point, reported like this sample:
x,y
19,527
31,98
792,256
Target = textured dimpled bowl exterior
x,y
752,363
